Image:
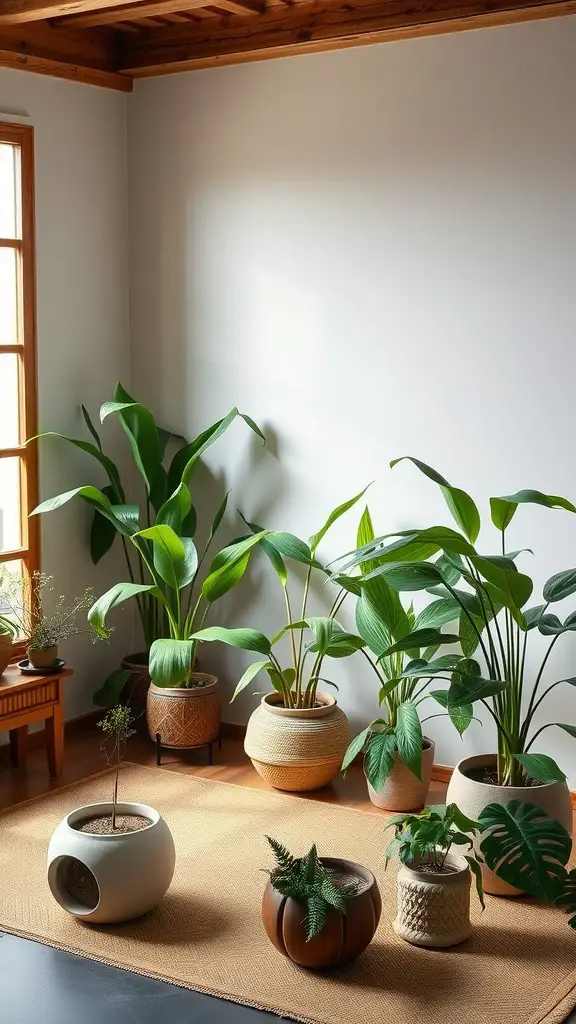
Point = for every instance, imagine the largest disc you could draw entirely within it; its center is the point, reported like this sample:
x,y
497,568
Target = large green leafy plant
x,y
166,497
491,598
394,636
310,882
298,682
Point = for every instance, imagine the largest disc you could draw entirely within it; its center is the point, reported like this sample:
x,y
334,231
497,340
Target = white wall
x,y
82,319
372,252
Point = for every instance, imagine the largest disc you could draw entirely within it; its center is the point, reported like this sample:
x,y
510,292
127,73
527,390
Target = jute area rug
x,y
518,968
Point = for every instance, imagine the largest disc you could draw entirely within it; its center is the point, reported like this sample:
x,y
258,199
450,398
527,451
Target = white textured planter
x,y
295,749
132,870
402,791
432,909
472,797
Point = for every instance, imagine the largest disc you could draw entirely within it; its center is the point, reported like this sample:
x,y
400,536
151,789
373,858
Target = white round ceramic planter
x,y
132,870
472,797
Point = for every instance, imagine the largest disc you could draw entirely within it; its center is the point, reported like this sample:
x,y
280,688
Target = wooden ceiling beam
x,y
155,8
313,27
88,57
19,12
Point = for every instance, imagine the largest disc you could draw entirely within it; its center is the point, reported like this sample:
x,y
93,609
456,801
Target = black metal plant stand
x,y
201,746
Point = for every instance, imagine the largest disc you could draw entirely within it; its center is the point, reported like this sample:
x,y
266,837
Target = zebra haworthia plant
x,y
490,596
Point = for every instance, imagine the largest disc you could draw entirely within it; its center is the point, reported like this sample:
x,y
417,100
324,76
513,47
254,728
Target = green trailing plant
x,y
494,622
308,881
298,683
394,636
117,728
34,613
424,841
163,482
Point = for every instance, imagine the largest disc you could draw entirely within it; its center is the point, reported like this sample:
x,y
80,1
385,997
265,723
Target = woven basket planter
x,y
402,791
434,909
184,717
297,749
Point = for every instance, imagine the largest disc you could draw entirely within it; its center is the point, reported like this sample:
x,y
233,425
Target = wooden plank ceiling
x,y
111,42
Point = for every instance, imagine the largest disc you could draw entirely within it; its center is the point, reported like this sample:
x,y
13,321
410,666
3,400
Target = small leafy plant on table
x,y
433,881
319,912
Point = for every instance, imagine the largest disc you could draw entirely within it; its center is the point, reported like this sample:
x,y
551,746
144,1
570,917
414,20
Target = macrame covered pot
x,y
434,909
297,749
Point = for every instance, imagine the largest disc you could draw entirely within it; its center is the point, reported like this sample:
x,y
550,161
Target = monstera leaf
x,y
526,848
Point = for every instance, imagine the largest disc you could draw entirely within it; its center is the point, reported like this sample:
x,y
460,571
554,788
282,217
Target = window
x,y
19,536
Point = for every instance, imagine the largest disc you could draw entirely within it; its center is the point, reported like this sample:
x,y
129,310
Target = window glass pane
x,y
9,504
8,194
9,424
12,590
8,297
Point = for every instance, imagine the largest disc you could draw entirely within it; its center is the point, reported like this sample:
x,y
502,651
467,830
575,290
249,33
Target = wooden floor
x,y
83,757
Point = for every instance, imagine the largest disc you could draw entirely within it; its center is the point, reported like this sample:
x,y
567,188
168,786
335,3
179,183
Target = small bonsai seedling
x,y
308,881
117,728
424,840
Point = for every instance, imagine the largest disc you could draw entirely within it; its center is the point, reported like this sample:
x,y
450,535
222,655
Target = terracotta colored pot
x,y
434,909
345,935
472,797
184,717
297,749
46,658
402,791
5,651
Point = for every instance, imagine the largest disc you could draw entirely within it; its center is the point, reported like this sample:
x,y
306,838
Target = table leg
x,y
18,745
55,740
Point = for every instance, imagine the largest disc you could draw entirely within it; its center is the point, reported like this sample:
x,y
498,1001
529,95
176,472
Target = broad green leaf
x,y
270,551
533,615
169,555
323,628
467,689
379,758
514,585
407,576
421,638
365,535
117,594
422,668
159,488
175,510
529,497
93,497
334,515
461,717
567,898
103,532
341,644
186,459
438,613
110,692
459,502
247,639
570,729
253,426
290,546
89,423
461,820
355,747
220,513
525,847
228,567
502,512
90,449
560,586
140,428
541,767
550,625
409,737
248,676
171,662
477,872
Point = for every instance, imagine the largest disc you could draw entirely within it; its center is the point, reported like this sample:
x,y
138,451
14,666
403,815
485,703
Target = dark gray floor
x,y
41,985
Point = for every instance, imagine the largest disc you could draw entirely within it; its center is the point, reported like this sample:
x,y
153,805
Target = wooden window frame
x,y
22,136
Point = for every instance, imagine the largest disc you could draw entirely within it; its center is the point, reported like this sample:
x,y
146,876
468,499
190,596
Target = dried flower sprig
x,y
23,600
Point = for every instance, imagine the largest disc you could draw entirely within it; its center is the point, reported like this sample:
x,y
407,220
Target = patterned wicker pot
x,y
434,909
297,749
344,937
184,717
402,791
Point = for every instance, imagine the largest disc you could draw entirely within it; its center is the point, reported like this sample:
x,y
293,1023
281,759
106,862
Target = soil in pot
x,y
102,824
489,777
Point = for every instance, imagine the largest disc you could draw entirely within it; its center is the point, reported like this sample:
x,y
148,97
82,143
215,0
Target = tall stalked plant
x,y
312,637
494,621
166,498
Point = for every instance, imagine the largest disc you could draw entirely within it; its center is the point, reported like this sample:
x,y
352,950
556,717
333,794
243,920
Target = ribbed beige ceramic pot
x,y
434,909
472,797
184,717
297,749
402,791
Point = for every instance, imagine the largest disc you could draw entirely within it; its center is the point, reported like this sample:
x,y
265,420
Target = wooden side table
x,y
26,699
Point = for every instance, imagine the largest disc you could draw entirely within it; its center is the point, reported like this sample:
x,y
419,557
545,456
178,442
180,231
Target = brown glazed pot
x,y
46,658
184,717
402,791
5,651
345,935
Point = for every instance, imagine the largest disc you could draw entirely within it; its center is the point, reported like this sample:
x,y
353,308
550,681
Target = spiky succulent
x,y
308,881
